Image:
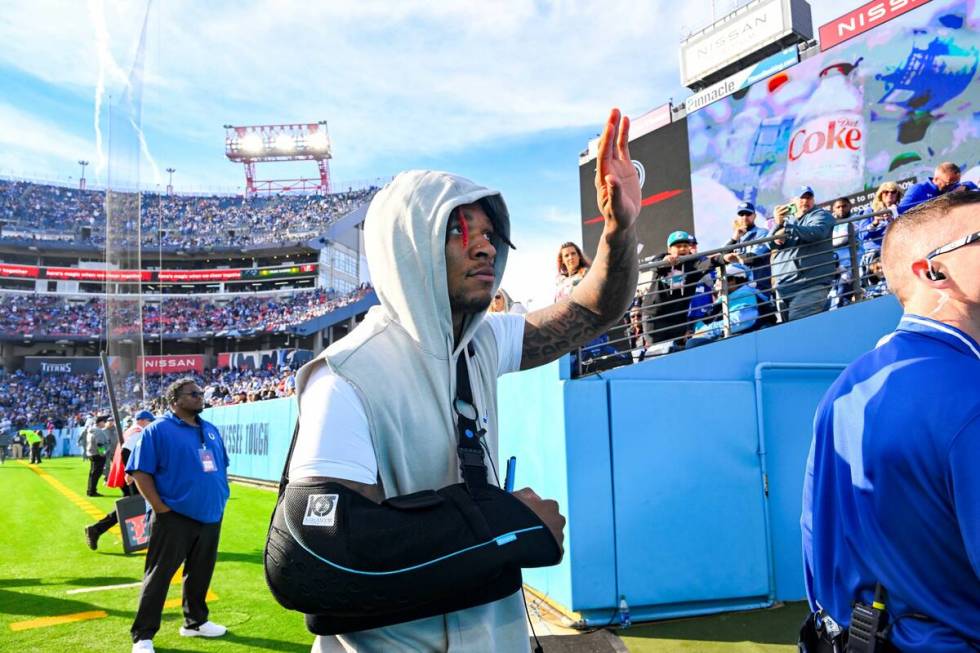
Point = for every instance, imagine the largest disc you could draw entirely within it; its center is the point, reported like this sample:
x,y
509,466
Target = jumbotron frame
x,y
251,144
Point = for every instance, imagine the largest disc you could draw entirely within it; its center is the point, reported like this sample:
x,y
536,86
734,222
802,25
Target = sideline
x,y
85,505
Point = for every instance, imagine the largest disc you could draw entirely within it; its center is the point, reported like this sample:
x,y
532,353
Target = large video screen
x,y
661,158
885,106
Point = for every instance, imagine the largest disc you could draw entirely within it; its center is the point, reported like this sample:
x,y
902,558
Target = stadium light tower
x,y
170,184
81,180
250,144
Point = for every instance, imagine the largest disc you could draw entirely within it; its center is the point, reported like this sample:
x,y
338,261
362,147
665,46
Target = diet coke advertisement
x,y
170,364
826,147
888,104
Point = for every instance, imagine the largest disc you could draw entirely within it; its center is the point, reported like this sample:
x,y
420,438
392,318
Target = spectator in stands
x,y
872,230
756,257
503,303
945,179
743,307
665,304
572,267
803,266
844,234
874,282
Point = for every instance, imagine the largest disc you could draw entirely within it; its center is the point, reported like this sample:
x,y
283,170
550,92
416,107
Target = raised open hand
x,y
616,182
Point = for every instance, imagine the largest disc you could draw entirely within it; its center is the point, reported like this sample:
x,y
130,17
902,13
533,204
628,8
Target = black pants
x,y
96,465
111,518
48,450
176,539
36,453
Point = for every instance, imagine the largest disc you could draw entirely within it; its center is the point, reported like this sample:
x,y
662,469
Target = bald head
x,y
946,174
921,230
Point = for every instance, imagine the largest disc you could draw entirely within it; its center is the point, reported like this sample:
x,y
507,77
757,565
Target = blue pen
x,y
509,479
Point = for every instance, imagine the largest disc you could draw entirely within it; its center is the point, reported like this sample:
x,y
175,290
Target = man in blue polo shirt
x,y
180,467
892,491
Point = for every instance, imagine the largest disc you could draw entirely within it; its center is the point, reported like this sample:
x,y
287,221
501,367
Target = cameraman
x,y
891,498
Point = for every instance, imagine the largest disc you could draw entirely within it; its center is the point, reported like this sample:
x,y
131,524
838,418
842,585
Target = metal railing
x,y
662,319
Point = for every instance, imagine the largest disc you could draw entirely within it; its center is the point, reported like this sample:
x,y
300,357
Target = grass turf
x,y
44,556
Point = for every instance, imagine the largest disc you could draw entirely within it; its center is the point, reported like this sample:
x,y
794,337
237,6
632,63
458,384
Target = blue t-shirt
x,y
892,488
170,450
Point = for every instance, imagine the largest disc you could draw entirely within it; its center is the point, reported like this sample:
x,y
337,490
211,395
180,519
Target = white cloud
x,y
29,145
394,79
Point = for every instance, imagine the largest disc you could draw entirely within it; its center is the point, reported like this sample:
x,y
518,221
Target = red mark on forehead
x,y
463,227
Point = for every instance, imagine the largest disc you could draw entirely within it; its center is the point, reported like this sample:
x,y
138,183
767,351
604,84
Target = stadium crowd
x,y
67,400
819,260
54,316
46,212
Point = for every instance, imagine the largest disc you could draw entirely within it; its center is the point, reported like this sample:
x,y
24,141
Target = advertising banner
x,y
267,359
256,435
169,364
737,36
95,274
62,364
862,19
888,105
22,271
743,79
660,158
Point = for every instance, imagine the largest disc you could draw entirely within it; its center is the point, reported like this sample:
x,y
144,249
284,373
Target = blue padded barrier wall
x,y
668,462
257,436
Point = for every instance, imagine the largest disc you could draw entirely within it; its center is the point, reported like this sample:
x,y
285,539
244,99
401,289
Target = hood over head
x,y
405,245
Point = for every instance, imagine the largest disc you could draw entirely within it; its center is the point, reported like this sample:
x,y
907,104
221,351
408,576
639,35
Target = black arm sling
x,y
361,565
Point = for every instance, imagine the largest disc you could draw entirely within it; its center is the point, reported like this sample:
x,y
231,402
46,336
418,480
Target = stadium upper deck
x,y
58,215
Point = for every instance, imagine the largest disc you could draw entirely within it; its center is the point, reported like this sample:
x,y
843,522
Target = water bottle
x,y
624,613
827,146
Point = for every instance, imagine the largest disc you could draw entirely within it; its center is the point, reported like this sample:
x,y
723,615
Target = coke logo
x,y
839,134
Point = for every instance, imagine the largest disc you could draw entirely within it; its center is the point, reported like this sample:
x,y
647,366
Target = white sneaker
x,y
207,629
143,646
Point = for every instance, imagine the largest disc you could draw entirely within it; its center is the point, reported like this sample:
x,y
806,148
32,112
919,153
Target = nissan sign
x,y
169,364
750,33
862,19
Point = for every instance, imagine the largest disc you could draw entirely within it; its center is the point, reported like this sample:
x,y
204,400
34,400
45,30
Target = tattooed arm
x,y
605,293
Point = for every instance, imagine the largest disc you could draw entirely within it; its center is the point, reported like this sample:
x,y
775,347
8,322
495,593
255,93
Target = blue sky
x,y
505,92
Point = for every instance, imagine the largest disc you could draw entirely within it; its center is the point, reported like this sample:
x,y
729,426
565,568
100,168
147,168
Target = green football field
x,y
57,595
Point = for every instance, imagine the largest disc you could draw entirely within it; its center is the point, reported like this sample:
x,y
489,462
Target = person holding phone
x,y
803,265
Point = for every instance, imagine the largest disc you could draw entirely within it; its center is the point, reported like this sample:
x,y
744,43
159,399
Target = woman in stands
x,y
872,230
572,266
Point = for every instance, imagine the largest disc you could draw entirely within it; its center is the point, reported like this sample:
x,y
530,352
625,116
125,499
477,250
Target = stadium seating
x,y
53,316
42,212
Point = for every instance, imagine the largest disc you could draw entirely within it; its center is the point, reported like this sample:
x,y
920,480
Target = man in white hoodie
x,y
376,407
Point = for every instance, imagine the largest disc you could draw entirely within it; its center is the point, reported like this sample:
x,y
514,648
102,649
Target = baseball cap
x,y
679,237
144,414
746,207
736,270
804,190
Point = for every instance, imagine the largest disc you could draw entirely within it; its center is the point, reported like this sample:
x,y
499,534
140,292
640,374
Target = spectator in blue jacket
x,y
803,267
945,179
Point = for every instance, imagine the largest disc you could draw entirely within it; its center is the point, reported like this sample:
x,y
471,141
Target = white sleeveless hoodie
x,y
401,361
